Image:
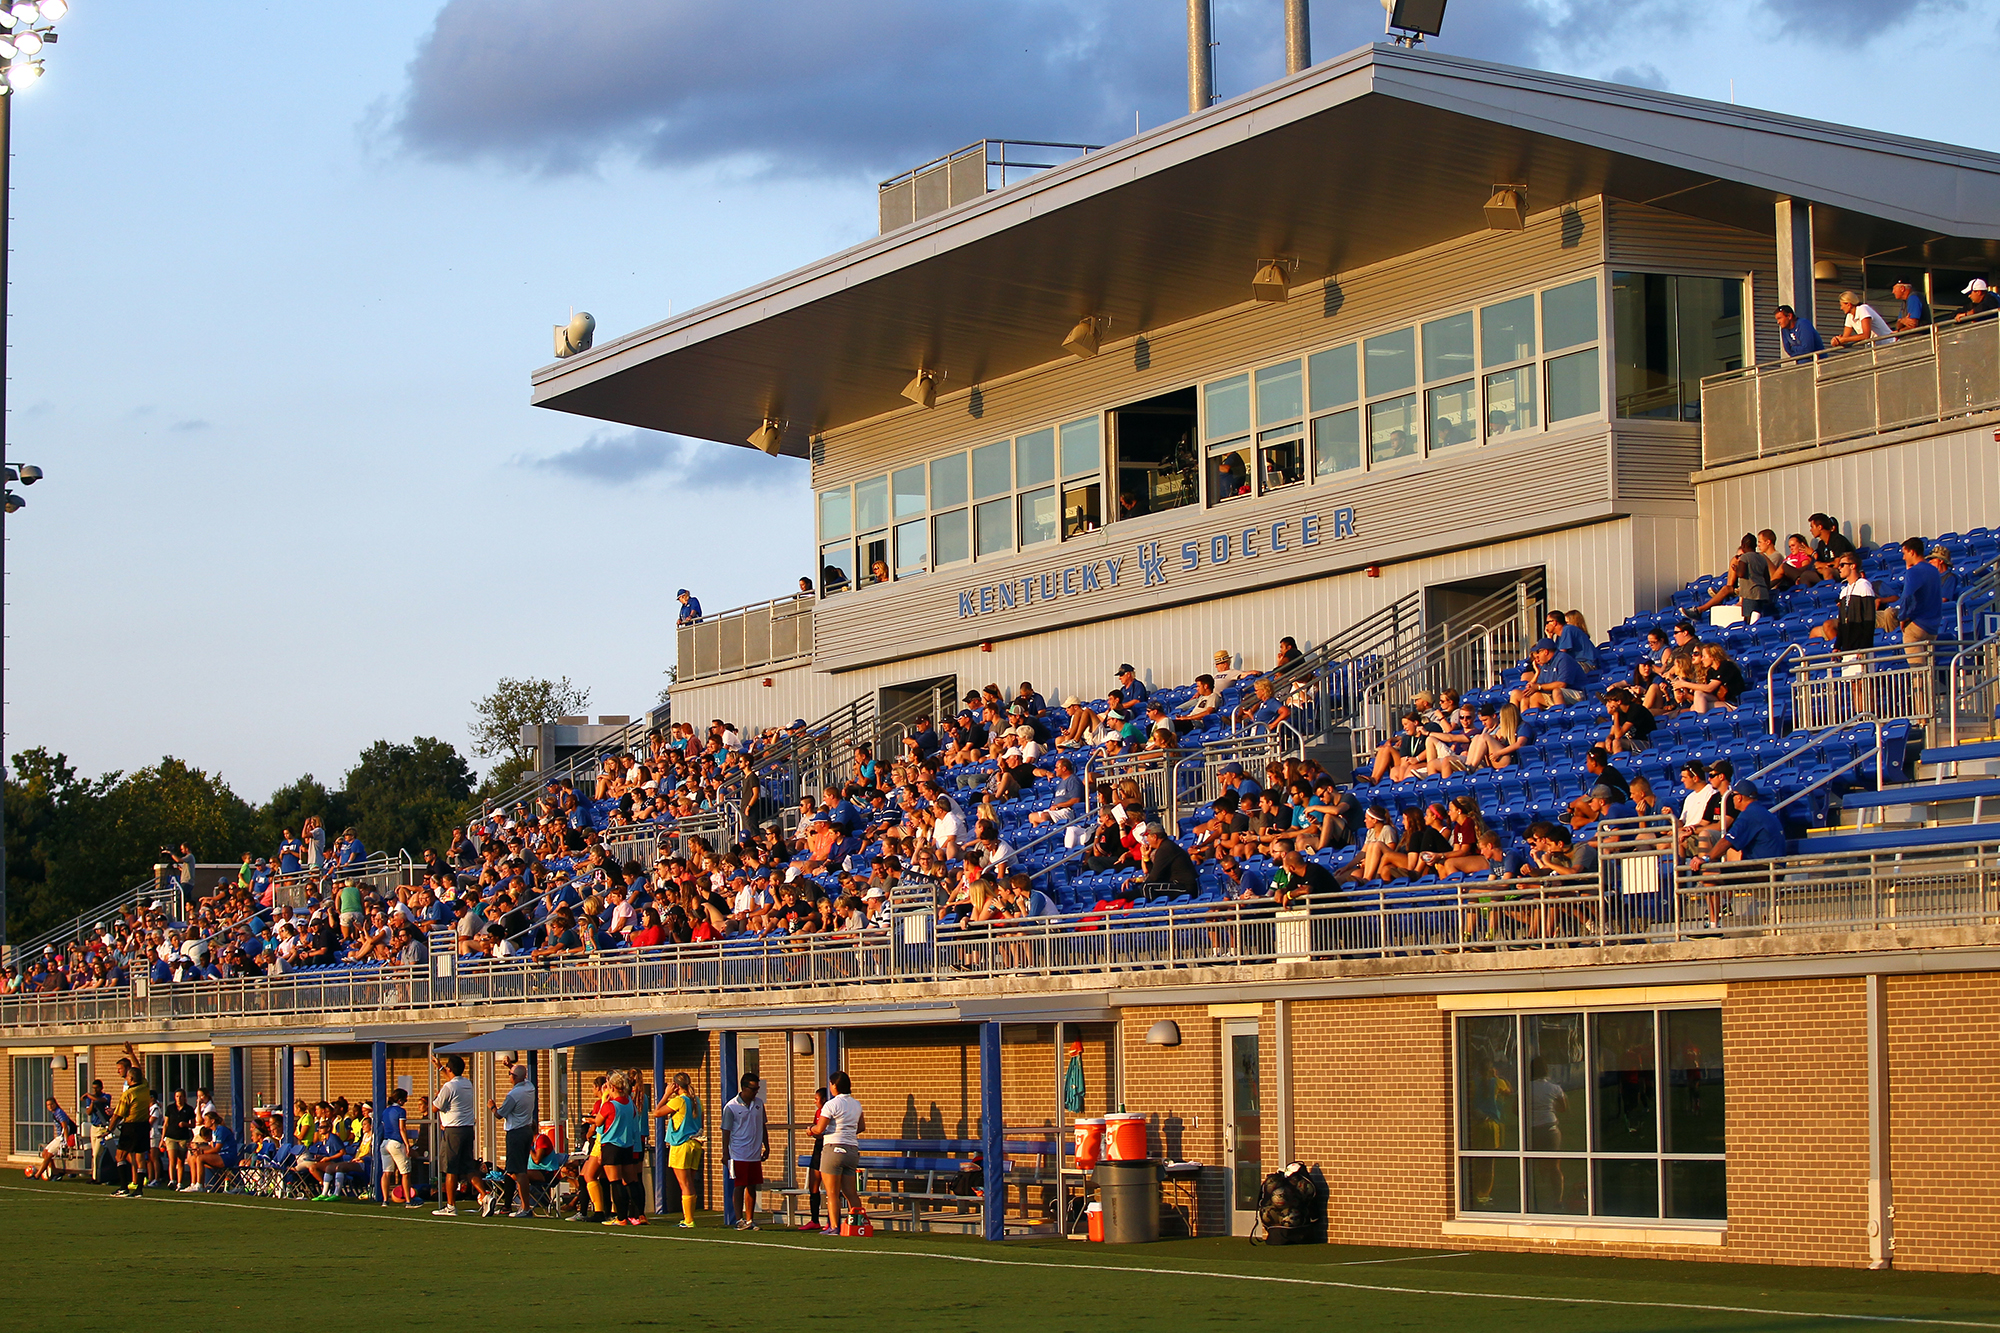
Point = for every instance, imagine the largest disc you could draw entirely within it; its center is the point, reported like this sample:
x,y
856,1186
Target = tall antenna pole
x,y
1201,57
6,160
1298,37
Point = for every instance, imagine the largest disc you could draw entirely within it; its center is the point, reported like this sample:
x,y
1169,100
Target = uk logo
x,y
1151,565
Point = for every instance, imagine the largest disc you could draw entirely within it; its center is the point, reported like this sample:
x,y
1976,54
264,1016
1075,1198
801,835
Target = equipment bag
x,y
1291,1208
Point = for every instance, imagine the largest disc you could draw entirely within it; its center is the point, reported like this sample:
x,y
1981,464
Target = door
x,y
1242,1121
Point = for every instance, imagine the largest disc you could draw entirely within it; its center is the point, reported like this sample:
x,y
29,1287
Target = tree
x,y
514,704
406,796
291,805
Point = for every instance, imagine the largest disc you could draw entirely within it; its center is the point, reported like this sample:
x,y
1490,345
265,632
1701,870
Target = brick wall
x,y
1179,1090
1944,1120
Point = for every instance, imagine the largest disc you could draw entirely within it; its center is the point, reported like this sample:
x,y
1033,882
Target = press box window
x,y
1336,435
1035,473
1451,409
1667,333
1226,427
1281,439
1155,465
871,518
1082,459
836,552
1569,317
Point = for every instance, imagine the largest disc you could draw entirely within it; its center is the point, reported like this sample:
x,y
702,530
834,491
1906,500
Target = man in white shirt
x,y
745,1128
455,1119
1863,323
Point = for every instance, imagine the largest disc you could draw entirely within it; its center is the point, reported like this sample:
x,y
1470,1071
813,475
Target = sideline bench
x,y
912,1179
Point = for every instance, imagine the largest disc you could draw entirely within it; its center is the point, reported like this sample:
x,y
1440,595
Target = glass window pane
x,y
836,568
1038,516
1337,443
836,514
1081,447
1229,471
1507,331
993,525
1392,362
1709,313
1489,1184
871,503
1696,1190
874,551
912,548
1448,347
1569,315
1083,508
951,538
1280,394
1489,1082
1643,346
1454,415
1556,1095
1558,1184
1573,386
908,485
1035,458
1694,1081
1510,401
948,482
1228,404
1628,1188
1334,382
1281,461
1393,430
992,469
1623,1053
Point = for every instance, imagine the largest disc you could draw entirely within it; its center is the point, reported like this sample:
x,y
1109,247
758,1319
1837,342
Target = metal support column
x,y
992,1131
1881,1200
287,1098
378,1097
830,1054
1298,37
1200,56
657,1128
1282,1073
239,1088
1795,258
723,1094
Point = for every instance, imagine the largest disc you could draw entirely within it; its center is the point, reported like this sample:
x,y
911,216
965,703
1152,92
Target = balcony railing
x,y
1926,375
772,633
1641,895
965,174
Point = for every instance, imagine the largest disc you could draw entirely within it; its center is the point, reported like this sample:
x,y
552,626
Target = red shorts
x,y
747,1175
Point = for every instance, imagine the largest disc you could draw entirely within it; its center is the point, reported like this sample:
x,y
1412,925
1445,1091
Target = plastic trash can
x,y
1130,1193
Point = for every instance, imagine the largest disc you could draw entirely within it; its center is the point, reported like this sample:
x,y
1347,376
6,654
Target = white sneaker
x,y
522,1212
190,1189
446,1211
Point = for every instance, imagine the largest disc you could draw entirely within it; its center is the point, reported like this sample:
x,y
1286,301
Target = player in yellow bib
x,y
682,1111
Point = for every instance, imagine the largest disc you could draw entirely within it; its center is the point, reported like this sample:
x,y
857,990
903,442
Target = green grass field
x,y
77,1259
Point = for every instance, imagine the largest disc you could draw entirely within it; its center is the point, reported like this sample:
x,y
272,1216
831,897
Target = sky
x,y
280,273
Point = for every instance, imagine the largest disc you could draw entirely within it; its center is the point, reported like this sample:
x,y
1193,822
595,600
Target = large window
x,y
34,1084
1615,1114
1668,332
185,1072
1156,465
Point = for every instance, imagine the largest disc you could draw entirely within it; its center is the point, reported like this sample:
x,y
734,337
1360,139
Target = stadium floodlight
x,y
26,12
21,73
923,389
1082,340
7,48
768,436
576,335
30,474
1273,280
1414,20
53,10
27,41
14,502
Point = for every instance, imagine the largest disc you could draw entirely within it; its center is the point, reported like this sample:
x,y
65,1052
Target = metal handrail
x,y
1990,648
82,921
1771,688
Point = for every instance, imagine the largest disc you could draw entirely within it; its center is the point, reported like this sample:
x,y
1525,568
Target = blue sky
x,y
279,280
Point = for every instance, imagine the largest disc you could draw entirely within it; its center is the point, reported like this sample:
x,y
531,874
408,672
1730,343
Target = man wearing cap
x,y
1916,311
1231,776
1755,833
1979,300
1131,690
690,608
1552,680
1167,870
1797,337
1940,560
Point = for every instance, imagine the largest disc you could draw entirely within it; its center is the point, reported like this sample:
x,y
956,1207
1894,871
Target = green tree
x,y
406,796
292,804
514,704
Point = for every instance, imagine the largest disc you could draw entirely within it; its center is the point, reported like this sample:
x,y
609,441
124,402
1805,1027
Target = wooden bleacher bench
x,y
911,1180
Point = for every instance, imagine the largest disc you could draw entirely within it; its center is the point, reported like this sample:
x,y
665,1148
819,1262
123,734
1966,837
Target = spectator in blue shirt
x,y
1755,834
690,608
1552,680
1920,610
1797,337
1130,688
1948,587
1916,311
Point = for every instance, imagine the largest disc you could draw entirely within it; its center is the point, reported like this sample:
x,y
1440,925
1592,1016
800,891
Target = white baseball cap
x,y
1976,285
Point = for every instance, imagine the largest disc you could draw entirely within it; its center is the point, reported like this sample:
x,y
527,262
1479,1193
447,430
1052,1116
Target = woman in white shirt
x,y
1863,323
839,1127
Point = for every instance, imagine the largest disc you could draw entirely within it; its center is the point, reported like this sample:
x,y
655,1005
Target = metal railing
x,y
1640,895
962,176
1974,689
744,638
1925,375
1897,682
149,893
582,768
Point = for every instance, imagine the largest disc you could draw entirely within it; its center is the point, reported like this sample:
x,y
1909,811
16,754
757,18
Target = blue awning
x,y
538,1037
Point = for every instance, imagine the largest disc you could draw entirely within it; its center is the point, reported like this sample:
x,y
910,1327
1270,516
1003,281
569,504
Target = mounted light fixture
x,y
1506,210
1166,1032
768,436
1082,340
301,1058
1273,281
923,389
802,1045
1826,271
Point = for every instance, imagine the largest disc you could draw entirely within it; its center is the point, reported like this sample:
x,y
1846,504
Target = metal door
x,y
1242,1121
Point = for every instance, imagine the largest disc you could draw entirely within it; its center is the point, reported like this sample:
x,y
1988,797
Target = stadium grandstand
x,y
1433,620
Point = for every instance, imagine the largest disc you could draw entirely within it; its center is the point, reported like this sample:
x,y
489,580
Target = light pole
x,y
26,26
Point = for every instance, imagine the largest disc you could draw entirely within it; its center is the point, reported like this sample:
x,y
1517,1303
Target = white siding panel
x,y
1656,240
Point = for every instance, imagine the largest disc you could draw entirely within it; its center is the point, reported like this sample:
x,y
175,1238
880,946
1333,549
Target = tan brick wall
x,y
1944,1120
1179,1090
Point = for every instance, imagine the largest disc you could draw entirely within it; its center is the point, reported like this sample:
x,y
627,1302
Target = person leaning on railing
x,y
1979,300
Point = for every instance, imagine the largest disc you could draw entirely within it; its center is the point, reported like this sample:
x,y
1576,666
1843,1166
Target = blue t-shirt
x,y
1267,712
1069,789
288,857
224,1139
1802,339
1757,833
389,1123
1135,693
690,610
1922,602
1915,308
1561,670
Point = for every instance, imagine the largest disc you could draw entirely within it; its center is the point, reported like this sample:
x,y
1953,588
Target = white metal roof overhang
x,y
1379,153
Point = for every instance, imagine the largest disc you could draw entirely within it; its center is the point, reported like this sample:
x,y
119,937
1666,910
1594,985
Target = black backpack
x,y
1291,1208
